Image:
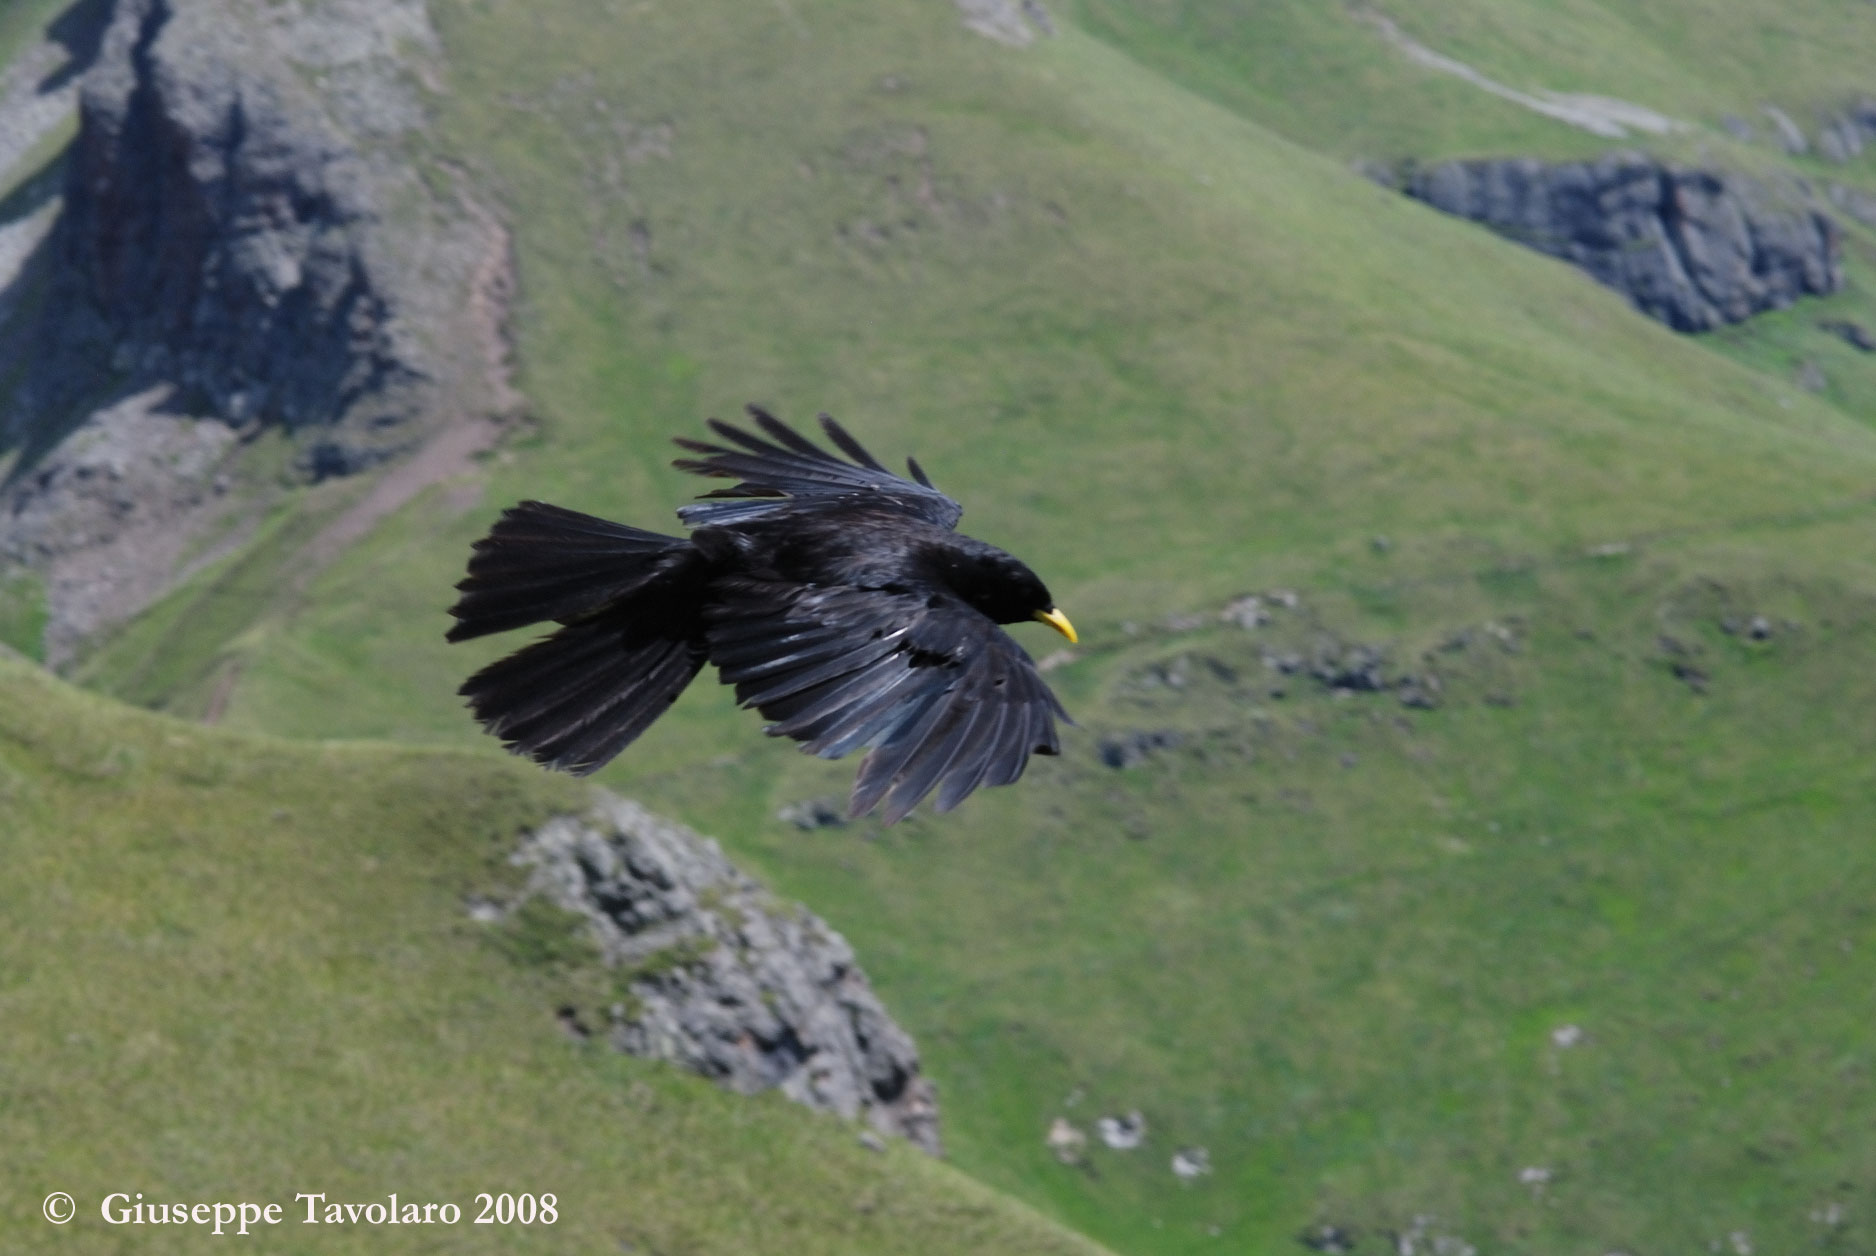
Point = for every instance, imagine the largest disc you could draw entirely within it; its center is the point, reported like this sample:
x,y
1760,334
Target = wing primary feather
x,y
968,775
786,434
848,445
879,771
935,757
843,722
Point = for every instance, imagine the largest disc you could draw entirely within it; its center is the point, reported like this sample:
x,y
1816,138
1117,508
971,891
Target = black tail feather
x,y
543,562
576,699
631,602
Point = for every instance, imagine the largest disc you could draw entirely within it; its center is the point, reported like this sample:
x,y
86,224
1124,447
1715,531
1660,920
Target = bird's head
x,y
999,585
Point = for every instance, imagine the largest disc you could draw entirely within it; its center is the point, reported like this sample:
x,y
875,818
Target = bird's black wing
x,y
791,475
942,696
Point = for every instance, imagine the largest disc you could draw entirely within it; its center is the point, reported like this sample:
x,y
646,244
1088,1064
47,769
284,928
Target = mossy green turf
x,y
1168,355
236,968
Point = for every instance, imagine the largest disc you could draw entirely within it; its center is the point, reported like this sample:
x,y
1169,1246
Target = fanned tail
x,y
543,562
631,605
574,700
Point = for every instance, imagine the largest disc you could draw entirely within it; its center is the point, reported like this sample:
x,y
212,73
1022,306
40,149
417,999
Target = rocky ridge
x,y
1695,249
722,979
237,239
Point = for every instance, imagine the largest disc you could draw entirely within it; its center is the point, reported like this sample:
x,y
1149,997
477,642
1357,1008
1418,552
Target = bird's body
x,y
834,595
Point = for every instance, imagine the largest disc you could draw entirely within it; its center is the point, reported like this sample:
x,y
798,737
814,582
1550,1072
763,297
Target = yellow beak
x,y
1058,621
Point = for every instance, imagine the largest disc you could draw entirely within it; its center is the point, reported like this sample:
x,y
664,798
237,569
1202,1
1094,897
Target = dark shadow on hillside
x,y
81,30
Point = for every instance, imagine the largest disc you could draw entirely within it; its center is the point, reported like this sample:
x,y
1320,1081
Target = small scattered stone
x,y
1760,629
872,1141
1068,1143
1693,677
485,911
1840,139
571,1024
1247,612
1122,1133
1354,669
1330,1240
1125,750
1790,138
1564,1037
1191,1162
1535,1176
813,813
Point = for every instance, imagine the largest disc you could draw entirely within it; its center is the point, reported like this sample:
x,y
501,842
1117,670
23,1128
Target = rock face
x,y
235,223
1843,136
241,233
1693,248
217,231
726,981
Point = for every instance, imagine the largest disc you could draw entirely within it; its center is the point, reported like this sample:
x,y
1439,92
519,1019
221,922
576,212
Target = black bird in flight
x,y
835,595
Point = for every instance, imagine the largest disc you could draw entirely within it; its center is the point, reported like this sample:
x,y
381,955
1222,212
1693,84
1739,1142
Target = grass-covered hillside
x,y
1506,887
239,969
1328,79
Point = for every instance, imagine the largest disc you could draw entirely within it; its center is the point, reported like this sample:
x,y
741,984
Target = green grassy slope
x,y
1110,292
240,969
1325,75
1169,353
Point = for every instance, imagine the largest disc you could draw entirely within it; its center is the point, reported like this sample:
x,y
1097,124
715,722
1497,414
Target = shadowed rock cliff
x,y
1693,248
240,236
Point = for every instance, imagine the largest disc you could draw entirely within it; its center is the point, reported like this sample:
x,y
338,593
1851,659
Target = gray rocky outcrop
x,y
1842,136
239,222
1695,249
725,980
240,230
1012,22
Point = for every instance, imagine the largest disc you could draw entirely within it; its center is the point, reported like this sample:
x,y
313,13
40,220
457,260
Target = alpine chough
x,y
835,595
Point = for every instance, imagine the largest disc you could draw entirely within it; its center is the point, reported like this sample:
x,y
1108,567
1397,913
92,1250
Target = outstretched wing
x,y
791,475
942,696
